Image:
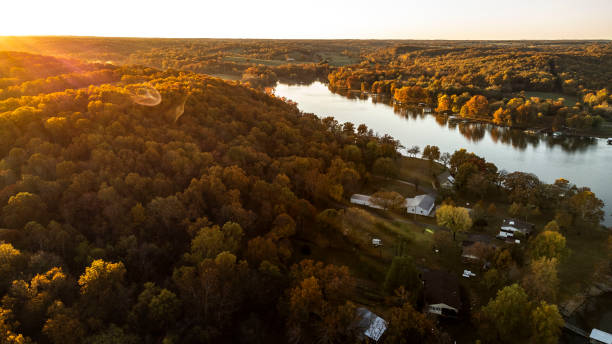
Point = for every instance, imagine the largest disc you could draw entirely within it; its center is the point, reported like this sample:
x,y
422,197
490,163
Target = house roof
x,y
441,287
601,336
443,177
373,326
518,224
421,201
360,197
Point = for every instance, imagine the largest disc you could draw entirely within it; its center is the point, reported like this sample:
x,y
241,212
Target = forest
x,y
526,84
154,205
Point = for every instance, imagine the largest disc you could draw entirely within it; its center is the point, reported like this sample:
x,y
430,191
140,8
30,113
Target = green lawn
x,y
569,100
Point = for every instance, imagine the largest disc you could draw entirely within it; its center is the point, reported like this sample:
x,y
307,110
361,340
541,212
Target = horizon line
x,y
328,39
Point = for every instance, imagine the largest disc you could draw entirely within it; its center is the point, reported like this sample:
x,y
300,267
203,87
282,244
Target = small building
x,y
610,140
445,180
420,205
600,337
376,242
364,200
517,226
441,291
371,325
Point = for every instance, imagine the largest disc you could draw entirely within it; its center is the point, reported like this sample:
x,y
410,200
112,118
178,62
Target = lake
x,y
582,161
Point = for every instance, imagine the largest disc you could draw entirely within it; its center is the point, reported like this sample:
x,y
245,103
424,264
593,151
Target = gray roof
x,y
518,224
372,325
360,197
422,201
601,336
443,177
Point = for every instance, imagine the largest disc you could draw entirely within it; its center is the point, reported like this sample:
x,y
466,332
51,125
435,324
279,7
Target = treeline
x,y
483,81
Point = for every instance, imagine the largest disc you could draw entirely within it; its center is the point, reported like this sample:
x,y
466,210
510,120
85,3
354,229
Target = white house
x,y
371,324
441,291
600,337
420,205
364,200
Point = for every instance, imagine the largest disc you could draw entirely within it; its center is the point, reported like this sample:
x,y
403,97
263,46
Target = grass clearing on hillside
x,y
421,171
568,100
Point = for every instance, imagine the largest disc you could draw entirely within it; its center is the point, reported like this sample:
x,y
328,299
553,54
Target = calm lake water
x,y
582,161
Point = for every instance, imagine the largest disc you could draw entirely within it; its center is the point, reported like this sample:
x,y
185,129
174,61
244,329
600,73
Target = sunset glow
x,y
446,19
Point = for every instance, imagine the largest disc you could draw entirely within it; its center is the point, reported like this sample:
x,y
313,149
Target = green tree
x,y
403,273
456,219
385,167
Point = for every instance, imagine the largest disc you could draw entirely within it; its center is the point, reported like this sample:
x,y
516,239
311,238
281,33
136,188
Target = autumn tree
x,y
548,244
414,151
444,103
103,291
63,325
456,219
388,199
505,319
541,281
22,208
406,325
476,106
546,324
431,152
586,209
210,241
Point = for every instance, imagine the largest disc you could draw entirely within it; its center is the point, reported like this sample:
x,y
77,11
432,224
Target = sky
x,y
378,19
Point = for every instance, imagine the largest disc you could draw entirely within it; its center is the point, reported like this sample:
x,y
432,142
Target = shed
x,y
445,180
371,324
420,205
600,337
441,291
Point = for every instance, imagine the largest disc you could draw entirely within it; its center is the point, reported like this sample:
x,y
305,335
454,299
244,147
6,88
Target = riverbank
x,y
603,131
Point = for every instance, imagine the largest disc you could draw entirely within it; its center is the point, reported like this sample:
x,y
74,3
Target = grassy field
x,y
338,59
421,171
257,61
569,100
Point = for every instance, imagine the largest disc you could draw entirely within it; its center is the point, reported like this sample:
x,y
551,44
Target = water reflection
x,y
584,161
472,130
